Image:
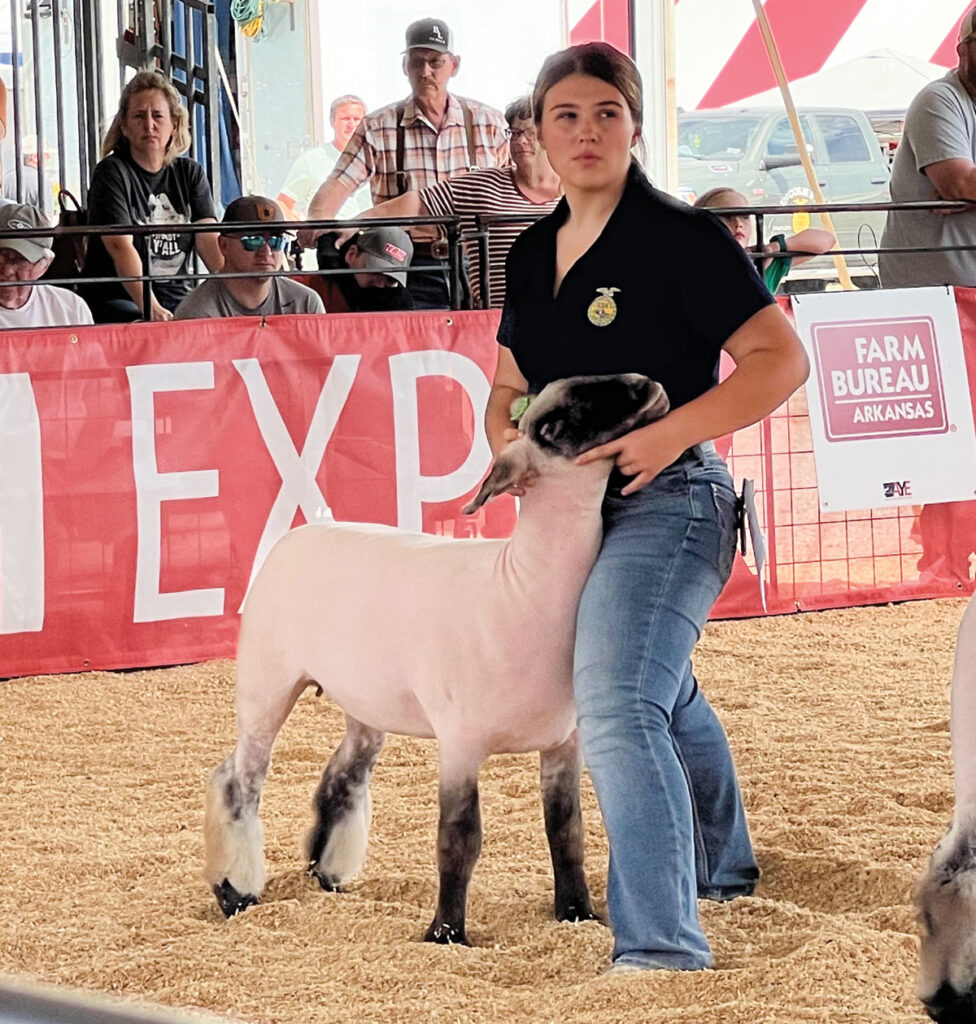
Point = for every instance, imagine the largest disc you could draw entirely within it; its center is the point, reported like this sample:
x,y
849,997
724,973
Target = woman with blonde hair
x,y
601,286
143,178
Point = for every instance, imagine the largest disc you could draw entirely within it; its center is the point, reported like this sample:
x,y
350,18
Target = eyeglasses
x,y
517,133
252,243
419,63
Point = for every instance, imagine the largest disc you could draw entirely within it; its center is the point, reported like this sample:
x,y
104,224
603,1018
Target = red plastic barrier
x,y
145,469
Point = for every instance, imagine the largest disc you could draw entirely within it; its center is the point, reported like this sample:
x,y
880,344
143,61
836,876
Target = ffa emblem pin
x,y
602,310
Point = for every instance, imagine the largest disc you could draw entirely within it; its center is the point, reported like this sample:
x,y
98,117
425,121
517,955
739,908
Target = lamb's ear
x,y
513,463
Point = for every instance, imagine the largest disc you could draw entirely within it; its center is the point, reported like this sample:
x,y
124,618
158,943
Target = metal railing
x,y
454,263
485,222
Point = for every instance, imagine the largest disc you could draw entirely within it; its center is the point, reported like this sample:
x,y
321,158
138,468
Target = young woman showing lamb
x,y
470,642
603,283
946,894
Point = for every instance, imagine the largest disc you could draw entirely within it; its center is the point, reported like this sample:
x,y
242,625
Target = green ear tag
x,y
517,409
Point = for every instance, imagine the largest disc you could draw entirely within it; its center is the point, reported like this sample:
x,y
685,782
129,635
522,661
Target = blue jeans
x,y
656,752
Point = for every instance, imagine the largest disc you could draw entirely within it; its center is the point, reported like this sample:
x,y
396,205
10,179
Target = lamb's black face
x,y
947,1006
945,898
573,415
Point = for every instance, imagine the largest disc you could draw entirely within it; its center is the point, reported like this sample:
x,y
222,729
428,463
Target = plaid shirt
x,y
429,155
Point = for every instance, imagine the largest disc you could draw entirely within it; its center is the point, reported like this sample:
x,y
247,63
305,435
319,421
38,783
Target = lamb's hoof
x,y
576,912
328,882
445,934
231,901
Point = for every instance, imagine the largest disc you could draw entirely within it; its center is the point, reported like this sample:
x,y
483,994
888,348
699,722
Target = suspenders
x,y
400,175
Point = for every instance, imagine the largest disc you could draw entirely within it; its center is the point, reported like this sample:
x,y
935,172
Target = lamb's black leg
x,y
337,842
560,771
458,847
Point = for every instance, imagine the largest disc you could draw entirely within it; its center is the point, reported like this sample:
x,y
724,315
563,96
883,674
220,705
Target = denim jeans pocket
x,y
727,505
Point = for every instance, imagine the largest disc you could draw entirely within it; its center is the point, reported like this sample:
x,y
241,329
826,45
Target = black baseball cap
x,y
430,34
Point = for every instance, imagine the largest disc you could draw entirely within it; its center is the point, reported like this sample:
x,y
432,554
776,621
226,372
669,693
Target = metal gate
x,y
69,60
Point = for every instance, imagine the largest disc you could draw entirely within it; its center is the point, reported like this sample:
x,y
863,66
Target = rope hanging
x,y
249,14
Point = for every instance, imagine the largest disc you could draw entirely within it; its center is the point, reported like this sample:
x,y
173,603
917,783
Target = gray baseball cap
x,y
385,250
24,217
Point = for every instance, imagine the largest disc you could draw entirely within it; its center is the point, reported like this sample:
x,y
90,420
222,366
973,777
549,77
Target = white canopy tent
x,y
881,80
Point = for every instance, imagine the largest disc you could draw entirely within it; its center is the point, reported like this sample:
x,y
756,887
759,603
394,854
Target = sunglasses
x,y
252,243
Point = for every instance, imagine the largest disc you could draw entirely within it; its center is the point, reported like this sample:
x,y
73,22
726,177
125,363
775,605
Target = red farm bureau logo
x,y
879,378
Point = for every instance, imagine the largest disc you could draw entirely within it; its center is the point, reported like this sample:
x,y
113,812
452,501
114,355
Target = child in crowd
x,y
811,242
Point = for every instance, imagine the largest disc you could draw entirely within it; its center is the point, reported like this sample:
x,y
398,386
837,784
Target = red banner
x,y
146,469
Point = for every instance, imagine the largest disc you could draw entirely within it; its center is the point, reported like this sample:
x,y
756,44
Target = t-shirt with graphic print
x,y
122,192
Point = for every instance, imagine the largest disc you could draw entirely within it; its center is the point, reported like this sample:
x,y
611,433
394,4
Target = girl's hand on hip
x,y
641,454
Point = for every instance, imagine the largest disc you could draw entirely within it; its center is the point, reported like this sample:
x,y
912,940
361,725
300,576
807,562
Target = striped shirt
x,y
429,155
488,191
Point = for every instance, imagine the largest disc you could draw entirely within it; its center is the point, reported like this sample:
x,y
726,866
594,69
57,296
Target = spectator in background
x,y
530,188
380,254
812,240
143,179
313,166
414,144
29,177
250,251
24,260
936,159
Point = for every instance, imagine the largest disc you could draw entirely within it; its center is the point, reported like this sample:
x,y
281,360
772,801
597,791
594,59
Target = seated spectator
x,y
24,260
380,254
810,242
143,179
531,187
257,252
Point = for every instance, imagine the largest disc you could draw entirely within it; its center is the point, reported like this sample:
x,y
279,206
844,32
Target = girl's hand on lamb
x,y
641,454
509,435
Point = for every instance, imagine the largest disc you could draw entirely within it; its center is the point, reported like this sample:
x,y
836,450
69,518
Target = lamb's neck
x,y
559,525
963,716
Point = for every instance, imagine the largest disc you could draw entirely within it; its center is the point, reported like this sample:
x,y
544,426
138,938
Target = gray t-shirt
x,y
212,299
940,125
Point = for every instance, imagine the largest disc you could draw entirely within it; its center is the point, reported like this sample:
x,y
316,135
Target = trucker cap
x,y
385,250
430,34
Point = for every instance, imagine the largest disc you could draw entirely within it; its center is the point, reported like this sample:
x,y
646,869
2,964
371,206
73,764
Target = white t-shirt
x,y
48,306
309,171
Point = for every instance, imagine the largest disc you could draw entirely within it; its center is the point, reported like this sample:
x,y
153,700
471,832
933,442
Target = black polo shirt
x,y
659,293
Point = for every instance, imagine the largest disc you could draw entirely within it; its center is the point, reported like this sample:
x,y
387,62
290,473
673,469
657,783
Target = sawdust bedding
x,y
839,724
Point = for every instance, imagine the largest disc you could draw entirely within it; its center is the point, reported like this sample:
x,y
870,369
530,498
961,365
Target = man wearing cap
x,y
255,251
380,255
22,261
414,144
936,159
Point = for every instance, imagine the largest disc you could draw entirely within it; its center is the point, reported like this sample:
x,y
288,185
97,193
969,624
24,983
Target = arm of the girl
x,y
770,365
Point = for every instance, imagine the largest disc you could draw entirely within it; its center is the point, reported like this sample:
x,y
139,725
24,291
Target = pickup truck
x,y
753,150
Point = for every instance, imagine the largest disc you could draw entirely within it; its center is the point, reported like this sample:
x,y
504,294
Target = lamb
x,y
466,641
946,894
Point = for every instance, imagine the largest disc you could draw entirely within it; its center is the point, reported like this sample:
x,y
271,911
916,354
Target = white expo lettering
x,y
21,508
149,604
21,489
